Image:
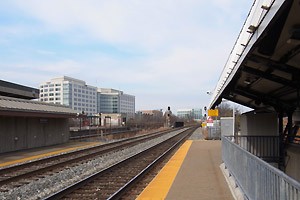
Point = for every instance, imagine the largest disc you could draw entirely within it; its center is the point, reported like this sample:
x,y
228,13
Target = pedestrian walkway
x,y
198,174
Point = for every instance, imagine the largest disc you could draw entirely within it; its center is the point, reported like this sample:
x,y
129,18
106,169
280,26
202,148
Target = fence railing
x,y
256,178
264,147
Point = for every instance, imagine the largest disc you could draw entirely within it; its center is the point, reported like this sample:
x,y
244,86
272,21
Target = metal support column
x,y
281,162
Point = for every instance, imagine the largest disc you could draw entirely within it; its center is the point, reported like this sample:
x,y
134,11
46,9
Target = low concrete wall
x,y
19,133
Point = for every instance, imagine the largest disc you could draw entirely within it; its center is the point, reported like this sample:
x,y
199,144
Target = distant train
x,y
178,124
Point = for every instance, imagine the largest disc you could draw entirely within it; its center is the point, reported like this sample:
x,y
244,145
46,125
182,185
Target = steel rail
x,y
66,158
65,191
118,194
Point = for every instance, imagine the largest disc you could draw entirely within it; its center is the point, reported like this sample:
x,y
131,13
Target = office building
x,y
190,114
115,101
71,92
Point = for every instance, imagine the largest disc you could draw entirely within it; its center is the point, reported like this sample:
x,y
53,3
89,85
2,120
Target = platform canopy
x,y
29,108
10,89
263,69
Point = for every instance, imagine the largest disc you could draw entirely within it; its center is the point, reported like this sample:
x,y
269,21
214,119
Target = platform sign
x,y
210,121
213,113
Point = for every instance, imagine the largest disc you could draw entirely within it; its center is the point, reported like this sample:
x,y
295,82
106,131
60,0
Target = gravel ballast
x,y
43,187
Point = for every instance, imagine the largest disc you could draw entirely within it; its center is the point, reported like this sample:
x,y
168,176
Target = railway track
x,y
17,175
114,181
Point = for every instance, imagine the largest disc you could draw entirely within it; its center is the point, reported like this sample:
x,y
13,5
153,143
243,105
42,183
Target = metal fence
x,y
256,178
264,147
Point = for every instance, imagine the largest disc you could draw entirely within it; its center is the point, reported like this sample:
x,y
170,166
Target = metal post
x,y
233,122
281,161
110,125
79,123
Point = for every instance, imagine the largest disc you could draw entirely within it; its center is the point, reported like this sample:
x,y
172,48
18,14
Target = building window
x,y
58,84
57,89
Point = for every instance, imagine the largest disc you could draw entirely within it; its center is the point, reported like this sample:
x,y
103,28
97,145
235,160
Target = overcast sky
x,y
165,52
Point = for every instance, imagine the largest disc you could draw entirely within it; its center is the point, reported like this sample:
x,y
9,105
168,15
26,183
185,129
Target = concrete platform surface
x,y
199,175
12,158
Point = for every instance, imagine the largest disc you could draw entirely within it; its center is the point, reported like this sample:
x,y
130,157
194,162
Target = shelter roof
x,y
263,69
20,107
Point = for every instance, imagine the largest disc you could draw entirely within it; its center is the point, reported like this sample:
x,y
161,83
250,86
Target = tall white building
x,y
70,92
115,101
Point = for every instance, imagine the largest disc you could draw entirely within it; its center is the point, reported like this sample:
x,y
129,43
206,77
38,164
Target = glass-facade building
x,y
115,101
190,114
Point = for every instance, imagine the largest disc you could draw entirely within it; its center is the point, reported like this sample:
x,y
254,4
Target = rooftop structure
x,y
19,107
18,91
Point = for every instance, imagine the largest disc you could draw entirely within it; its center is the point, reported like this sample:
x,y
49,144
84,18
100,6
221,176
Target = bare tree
x,y
225,110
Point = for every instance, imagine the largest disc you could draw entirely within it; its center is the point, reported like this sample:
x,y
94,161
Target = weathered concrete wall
x,y
293,162
259,124
18,133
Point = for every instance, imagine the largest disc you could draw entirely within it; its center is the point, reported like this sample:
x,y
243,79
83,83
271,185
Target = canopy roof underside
x,y
266,75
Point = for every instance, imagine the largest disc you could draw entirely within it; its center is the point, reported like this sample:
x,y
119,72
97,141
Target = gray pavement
x,y
200,176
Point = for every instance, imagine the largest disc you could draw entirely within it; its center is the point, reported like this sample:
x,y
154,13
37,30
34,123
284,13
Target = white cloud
x,y
175,47
145,24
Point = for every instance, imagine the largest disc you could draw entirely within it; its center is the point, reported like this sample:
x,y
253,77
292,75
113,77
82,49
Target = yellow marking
x,y
46,155
159,187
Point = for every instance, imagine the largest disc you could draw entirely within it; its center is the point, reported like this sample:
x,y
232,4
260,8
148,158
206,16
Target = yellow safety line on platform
x,y
46,154
159,187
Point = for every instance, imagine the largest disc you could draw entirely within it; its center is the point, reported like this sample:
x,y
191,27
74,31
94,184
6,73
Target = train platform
x,y
192,173
21,156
